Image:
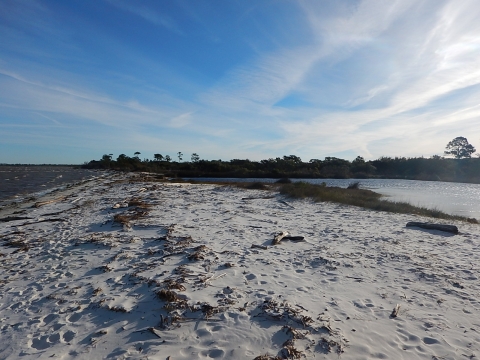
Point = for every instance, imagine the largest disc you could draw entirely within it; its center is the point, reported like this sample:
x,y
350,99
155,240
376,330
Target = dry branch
x,y
395,311
254,246
279,237
41,203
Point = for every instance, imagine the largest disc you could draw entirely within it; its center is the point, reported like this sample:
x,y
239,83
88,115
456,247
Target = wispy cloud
x,y
149,14
366,78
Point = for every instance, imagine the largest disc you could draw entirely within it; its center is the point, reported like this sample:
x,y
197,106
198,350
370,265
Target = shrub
x,y
354,185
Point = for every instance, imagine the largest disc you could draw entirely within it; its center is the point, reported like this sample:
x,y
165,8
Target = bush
x,y
256,186
283,181
354,185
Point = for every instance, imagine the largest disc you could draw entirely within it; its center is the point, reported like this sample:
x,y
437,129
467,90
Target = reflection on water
x,y
452,198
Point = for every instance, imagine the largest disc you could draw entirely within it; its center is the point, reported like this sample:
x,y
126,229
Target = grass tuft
x,y
354,185
256,186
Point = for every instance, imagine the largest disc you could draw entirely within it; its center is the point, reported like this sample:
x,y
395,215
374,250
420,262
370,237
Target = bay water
x,y
20,182
452,198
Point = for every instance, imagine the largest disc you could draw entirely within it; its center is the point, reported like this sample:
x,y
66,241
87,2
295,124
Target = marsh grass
x,y
363,198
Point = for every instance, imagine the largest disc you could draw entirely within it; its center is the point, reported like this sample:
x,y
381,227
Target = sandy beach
x,y
121,268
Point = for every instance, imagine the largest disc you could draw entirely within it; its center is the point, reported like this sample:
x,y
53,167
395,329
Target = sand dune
x,y
120,269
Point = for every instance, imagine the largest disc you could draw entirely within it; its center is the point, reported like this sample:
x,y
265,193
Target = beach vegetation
x,y
363,198
283,181
353,185
256,186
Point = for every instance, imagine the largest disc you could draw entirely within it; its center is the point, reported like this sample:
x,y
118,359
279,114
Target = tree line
x,y
461,168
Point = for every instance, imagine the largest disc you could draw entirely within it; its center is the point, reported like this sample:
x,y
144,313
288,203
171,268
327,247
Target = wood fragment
x,y
75,200
276,240
154,332
255,246
294,238
395,311
285,203
41,203
14,218
40,221
259,198
431,226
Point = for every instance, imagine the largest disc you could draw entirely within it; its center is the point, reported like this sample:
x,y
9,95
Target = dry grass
x,y
126,217
139,203
363,198
267,357
168,295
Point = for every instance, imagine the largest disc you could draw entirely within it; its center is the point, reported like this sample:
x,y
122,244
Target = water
x,y
20,182
453,198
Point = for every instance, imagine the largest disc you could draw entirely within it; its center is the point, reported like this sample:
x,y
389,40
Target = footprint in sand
x,y
213,354
44,342
74,318
49,318
430,341
68,336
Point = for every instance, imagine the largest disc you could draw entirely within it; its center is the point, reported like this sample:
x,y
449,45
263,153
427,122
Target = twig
x,y
285,203
41,203
255,246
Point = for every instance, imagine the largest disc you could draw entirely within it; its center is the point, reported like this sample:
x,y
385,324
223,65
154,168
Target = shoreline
x,y
131,269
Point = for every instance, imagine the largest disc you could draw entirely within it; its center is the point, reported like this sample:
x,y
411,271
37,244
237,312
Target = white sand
x,y
85,287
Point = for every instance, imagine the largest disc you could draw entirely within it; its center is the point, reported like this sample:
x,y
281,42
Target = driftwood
x,y
285,236
259,198
254,246
287,204
448,228
395,311
41,203
41,221
294,238
276,240
14,218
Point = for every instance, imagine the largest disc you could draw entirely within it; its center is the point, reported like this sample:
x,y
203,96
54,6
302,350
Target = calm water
x,y
18,182
452,198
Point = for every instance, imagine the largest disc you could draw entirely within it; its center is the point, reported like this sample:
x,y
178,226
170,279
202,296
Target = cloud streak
x,y
366,78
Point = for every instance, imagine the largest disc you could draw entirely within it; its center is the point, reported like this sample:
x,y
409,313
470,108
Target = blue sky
x,y
237,79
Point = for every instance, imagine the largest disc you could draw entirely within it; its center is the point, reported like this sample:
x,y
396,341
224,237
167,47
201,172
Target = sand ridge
x,y
125,269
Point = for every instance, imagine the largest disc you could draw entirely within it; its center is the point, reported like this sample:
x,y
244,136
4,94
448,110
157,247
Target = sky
x,y
236,79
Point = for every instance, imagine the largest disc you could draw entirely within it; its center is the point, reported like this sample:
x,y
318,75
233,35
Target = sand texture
x,y
125,269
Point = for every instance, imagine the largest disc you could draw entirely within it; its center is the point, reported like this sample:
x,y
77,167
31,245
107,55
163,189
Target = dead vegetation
x,y
139,203
117,308
199,253
168,295
131,215
267,357
19,245
97,291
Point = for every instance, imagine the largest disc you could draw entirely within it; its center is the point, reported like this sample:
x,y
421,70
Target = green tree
x,y
195,158
179,154
158,157
460,148
168,158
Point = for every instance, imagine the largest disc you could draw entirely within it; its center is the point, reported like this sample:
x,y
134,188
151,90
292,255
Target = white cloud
x,y
148,13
